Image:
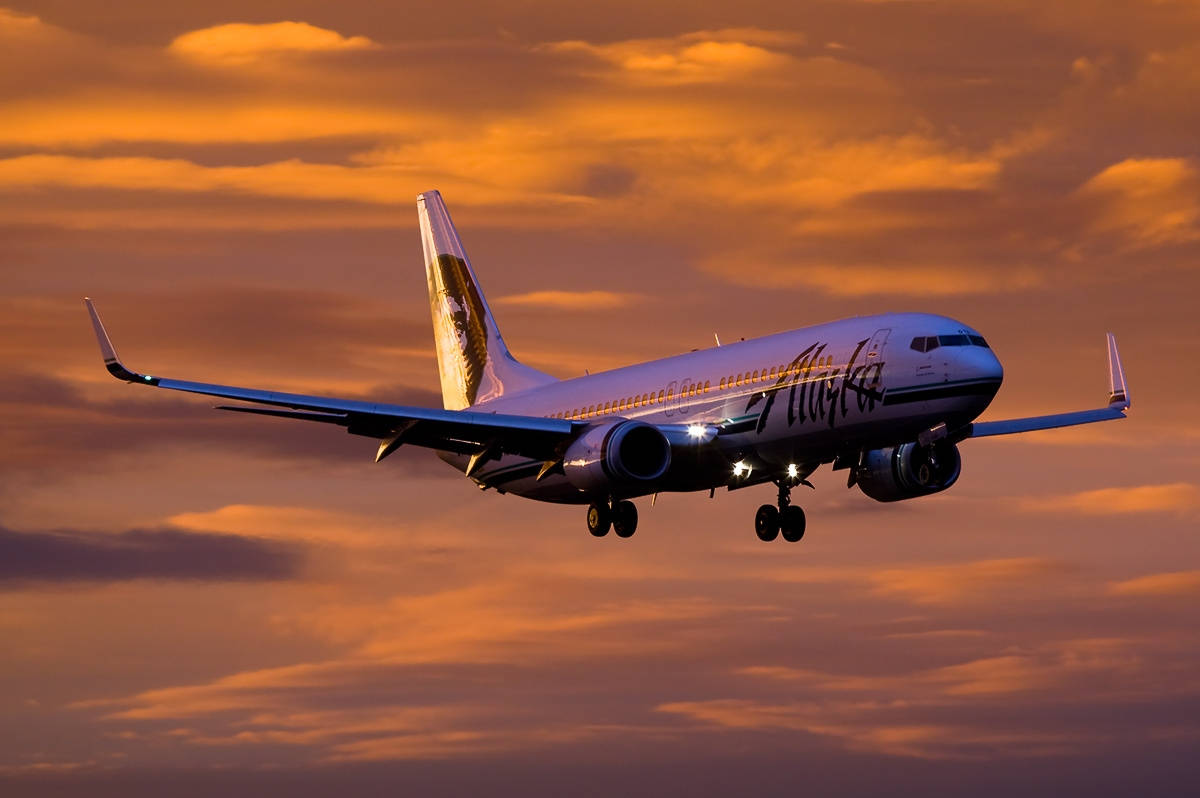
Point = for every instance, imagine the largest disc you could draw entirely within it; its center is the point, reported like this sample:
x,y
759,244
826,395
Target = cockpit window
x,y
977,340
954,340
919,344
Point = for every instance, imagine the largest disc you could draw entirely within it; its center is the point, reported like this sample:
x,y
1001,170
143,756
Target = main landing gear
x,y
788,519
620,515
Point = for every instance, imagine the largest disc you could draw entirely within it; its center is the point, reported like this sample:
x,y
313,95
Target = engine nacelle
x,y
909,470
627,453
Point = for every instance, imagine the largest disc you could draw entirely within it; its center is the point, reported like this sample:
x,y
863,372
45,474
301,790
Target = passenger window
x,y
754,376
660,396
707,383
721,384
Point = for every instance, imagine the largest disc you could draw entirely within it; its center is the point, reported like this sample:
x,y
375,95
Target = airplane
x,y
887,398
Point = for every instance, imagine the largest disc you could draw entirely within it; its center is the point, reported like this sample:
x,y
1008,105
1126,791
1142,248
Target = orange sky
x,y
240,604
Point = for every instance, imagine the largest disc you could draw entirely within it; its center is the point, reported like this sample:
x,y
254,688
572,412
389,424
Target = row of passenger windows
x,y
630,402
929,343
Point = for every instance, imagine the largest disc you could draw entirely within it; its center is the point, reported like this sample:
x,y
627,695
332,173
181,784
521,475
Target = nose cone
x,y
980,370
980,363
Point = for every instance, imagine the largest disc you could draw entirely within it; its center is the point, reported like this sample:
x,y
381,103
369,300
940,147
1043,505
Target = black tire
x,y
792,524
599,519
625,518
766,523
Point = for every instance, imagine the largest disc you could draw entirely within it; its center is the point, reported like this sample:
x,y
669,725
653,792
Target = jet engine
x,y
909,470
628,453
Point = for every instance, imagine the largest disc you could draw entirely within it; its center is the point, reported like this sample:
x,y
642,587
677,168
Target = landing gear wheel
x,y
766,523
599,518
624,519
792,523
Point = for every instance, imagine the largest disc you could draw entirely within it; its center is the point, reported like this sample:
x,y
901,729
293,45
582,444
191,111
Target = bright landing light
x,y
740,468
793,472
696,430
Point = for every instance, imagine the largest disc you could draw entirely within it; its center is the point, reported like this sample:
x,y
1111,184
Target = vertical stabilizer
x,y
473,361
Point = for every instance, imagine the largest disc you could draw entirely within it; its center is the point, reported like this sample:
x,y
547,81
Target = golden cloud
x,y
941,584
99,118
697,57
1149,201
571,300
859,727
1179,497
855,280
239,43
1173,583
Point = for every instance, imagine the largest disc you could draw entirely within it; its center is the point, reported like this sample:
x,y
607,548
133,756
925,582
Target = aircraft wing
x,y
1118,403
462,431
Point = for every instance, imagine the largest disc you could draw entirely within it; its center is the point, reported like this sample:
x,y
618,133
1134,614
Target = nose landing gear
x,y
788,518
620,515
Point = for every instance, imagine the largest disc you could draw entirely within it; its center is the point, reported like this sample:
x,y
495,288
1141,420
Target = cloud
x,y
571,300
854,727
292,178
697,57
857,280
67,556
928,713
1178,497
942,584
238,43
1173,583
1148,201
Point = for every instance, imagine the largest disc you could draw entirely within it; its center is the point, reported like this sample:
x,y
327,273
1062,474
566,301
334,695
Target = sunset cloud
x,y
1150,201
571,300
698,57
253,606
939,584
1178,497
68,556
239,43
1172,583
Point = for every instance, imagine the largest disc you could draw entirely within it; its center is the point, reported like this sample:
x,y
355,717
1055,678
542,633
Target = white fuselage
x,y
799,398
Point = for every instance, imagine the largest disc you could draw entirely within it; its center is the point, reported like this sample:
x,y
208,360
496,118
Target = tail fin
x,y
473,361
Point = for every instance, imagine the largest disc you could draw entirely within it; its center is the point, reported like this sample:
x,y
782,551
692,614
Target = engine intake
x,y
624,453
909,470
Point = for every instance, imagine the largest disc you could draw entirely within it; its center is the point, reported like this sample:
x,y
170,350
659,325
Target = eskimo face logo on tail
x,y
821,393
458,311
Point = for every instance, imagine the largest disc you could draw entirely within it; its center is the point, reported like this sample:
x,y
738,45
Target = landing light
x,y
740,468
793,472
696,430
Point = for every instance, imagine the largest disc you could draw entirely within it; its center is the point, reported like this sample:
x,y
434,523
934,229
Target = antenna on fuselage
x,y
717,338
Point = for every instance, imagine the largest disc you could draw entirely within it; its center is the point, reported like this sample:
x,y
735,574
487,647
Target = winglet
x,y
109,352
1118,396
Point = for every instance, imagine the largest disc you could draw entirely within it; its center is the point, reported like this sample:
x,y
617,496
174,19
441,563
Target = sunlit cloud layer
x,y
239,43
207,595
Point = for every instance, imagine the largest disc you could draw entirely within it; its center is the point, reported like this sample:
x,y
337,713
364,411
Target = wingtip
x,y
1118,396
109,352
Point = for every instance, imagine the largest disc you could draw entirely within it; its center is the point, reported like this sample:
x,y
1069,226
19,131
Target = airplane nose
x,y
980,363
